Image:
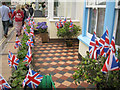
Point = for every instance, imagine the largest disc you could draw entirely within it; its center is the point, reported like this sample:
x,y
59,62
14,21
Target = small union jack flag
x,y
32,18
28,19
26,33
30,42
17,43
104,44
32,32
33,22
3,84
28,57
65,20
60,22
57,25
32,79
112,45
12,60
93,47
30,23
71,24
24,27
32,28
111,63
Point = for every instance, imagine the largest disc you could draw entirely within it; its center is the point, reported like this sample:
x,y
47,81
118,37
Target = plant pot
x,y
69,43
44,37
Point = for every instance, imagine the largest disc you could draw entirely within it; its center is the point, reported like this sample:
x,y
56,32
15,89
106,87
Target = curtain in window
x,y
100,22
117,38
92,21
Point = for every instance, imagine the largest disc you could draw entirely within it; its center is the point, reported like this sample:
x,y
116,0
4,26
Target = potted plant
x,y
42,28
68,33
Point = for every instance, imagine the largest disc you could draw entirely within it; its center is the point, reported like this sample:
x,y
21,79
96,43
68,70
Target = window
x,y
117,36
96,16
65,9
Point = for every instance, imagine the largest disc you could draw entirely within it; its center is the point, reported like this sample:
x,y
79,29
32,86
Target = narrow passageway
x,y
58,60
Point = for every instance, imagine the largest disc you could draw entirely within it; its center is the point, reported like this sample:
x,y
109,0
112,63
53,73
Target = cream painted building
x,y
65,9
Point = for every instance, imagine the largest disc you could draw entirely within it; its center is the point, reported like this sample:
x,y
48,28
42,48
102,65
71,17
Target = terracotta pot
x,y
44,37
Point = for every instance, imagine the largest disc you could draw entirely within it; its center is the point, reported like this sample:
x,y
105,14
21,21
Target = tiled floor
x,y
59,61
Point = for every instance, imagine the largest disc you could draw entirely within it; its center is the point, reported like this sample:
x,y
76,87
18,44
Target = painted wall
x,y
40,20
82,49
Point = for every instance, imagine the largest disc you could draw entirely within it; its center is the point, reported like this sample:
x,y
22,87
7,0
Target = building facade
x,y
99,15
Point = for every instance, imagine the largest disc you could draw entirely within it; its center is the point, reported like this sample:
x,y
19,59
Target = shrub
x,y
66,32
90,70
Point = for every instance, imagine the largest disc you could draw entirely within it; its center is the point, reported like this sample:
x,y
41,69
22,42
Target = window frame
x,y
65,16
117,9
93,7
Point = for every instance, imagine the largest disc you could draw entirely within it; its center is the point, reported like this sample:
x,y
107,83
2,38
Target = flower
x,y
44,27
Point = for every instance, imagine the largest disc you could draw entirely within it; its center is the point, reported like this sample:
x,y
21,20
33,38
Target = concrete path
x,y
5,70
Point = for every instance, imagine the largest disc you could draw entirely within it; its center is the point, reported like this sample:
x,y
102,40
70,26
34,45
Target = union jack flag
x,y
12,60
32,32
26,33
32,79
33,22
32,28
93,47
17,43
104,44
28,18
112,45
71,24
60,22
30,42
3,83
24,27
57,25
65,20
28,57
30,23
111,63
32,18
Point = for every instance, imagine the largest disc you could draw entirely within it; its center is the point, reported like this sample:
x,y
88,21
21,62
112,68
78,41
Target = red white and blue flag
x,y
32,79
112,45
24,27
33,22
57,25
104,44
13,60
28,18
93,47
17,43
30,42
111,63
30,23
65,20
32,32
32,27
71,24
3,84
60,22
28,57
28,34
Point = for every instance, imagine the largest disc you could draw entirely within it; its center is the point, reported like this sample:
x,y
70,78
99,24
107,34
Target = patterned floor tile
x,y
58,60
58,75
66,83
67,74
